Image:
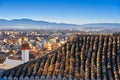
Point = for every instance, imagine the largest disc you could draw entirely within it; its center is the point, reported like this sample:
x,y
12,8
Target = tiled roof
x,y
90,57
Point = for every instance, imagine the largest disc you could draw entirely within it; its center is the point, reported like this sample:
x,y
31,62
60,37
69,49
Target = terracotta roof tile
x,y
85,57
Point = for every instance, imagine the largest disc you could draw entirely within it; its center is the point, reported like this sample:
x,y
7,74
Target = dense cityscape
x,y
59,39
40,43
83,56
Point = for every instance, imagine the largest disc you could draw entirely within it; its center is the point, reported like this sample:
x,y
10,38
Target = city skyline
x,y
62,11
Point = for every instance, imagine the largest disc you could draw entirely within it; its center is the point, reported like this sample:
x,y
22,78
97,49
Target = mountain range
x,y
34,24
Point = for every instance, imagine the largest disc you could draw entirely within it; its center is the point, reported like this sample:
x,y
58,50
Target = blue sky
x,y
68,11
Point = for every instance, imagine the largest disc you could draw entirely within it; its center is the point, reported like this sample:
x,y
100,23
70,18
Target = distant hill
x,y
33,24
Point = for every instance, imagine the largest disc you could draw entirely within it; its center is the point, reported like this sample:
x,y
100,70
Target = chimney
x,y
25,52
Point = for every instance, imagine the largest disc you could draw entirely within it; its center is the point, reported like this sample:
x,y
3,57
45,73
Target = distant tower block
x,y
25,52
